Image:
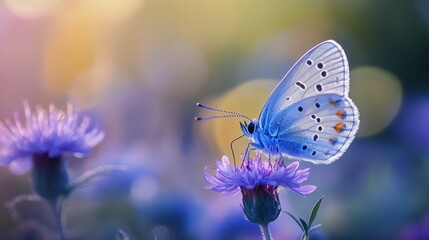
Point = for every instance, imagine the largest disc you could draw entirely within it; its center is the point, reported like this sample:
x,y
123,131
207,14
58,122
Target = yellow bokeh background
x,y
247,99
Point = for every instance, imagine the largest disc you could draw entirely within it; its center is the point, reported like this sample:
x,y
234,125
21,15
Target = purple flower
x,y
256,172
48,133
258,181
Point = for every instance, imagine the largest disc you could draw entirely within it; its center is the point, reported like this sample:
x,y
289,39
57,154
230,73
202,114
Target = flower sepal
x,y
261,204
49,176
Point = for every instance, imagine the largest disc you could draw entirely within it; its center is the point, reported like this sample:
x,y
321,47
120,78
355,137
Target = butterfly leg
x,y
251,146
232,149
247,152
280,161
272,149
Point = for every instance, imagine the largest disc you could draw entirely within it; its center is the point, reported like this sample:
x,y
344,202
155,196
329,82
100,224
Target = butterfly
x,y
309,115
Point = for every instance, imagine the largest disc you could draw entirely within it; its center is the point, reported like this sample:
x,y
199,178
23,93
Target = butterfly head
x,y
249,129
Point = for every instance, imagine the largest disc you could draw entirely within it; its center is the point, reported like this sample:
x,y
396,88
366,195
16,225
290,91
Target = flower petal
x,y
253,172
52,132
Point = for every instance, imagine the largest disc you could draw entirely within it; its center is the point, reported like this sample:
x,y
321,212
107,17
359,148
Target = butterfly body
x,y
309,115
261,140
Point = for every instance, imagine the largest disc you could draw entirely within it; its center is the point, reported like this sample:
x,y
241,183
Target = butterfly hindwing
x,y
319,128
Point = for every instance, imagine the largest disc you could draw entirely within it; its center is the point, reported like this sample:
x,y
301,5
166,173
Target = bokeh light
x,y
68,55
248,99
30,8
144,188
378,95
113,13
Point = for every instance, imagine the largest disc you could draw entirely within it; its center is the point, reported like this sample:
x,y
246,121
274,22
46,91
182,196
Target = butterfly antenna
x,y
214,117
229,113
232,149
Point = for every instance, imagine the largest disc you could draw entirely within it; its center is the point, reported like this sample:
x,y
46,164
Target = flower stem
x,y
266,234
56,209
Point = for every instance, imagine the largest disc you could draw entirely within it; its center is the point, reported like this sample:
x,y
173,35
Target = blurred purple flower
x,y
254,172
49,133
412,124
416,230
258,181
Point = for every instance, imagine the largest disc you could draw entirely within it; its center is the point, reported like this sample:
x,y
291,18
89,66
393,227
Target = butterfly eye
x,y
251,127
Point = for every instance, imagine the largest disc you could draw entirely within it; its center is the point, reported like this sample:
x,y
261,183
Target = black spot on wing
x,y
301,85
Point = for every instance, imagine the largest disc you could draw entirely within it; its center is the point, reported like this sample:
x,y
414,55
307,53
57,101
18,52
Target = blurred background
x,y
139,66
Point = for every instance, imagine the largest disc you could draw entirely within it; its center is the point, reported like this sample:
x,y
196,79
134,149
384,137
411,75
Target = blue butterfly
x,y
309,115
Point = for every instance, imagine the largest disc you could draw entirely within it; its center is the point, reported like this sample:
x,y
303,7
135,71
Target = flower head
x,y
258,181
256,172
50,133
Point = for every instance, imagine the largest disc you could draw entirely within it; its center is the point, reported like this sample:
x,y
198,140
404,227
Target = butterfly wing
x,y
320,76
305,79
318,129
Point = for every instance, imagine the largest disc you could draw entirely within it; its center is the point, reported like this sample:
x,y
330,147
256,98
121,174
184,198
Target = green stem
x,y
304,237
56,209
266,232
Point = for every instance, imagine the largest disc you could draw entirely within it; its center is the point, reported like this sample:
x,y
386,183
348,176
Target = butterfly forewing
x,y
322,70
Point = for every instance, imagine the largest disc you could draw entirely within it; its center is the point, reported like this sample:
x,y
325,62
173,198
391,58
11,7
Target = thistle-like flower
x,y
50,133
42,140
258,181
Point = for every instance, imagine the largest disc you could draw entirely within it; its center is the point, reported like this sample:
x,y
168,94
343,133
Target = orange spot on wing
x,y
333,140
339,127
341,114
334,103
